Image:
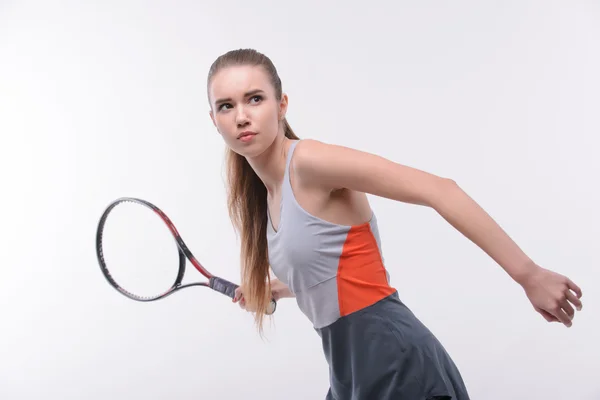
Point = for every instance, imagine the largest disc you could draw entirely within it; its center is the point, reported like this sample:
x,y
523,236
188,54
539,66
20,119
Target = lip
x,y
246,133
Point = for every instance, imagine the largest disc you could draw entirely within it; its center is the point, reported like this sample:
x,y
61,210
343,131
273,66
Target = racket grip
x,y
228,288
223,286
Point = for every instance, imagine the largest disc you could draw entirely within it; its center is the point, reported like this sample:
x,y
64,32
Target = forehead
x,y
235,81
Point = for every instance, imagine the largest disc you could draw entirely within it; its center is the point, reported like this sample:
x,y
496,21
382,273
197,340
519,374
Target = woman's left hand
x,y
552,295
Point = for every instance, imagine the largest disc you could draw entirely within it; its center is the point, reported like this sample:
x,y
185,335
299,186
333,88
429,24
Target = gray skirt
x,y
384,352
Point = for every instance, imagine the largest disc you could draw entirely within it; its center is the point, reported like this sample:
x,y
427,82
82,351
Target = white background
x,y
106,99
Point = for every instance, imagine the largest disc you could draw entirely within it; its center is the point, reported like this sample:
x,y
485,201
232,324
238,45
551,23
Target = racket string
x,y
138,251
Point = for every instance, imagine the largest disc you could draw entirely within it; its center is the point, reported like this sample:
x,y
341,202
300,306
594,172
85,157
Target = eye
x,y
257,98
224,105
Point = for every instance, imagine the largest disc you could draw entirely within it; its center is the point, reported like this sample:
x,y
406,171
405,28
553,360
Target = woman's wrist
x,y
280,290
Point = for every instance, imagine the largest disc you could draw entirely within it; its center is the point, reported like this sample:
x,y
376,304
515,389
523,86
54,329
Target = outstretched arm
x,y
336,167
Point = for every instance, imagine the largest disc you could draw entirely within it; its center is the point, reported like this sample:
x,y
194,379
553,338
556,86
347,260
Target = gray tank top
x,y
333,270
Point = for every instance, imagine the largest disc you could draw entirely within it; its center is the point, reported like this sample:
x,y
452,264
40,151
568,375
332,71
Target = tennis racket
x,y
137,256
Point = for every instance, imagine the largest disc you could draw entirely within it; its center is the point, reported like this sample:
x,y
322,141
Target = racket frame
x,y
214,282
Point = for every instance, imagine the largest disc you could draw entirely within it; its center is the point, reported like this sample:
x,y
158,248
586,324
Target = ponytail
x,y
247,196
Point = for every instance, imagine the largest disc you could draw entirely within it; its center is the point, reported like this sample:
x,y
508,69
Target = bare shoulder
x,y
337,203
313,159
302,164
334,167
315,148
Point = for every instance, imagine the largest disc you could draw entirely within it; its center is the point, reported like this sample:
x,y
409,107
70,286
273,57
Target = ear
x,y
283,105
212,117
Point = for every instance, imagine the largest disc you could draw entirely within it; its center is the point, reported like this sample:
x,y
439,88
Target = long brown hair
x,y
247,196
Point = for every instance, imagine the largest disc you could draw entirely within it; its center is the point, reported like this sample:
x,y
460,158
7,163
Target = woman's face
x,y
245,110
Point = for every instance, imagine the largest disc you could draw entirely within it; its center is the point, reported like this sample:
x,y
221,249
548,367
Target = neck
x,y
270,165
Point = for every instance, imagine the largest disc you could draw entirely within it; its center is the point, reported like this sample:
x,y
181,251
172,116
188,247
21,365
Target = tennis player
x,y
301,210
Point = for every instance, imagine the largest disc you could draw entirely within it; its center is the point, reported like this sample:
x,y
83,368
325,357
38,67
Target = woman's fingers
x,y
237,295
561,312
574,300
239,298
547,316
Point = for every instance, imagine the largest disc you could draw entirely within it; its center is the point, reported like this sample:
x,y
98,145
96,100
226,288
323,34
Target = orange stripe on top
x,y
361,278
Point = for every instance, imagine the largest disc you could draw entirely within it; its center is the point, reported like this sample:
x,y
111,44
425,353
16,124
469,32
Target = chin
x,y
252,148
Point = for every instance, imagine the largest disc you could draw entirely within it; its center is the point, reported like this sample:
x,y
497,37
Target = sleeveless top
x,y
333,270
376,348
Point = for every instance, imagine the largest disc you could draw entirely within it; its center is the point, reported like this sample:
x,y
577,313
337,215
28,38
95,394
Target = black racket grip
x,y
223,286
228,288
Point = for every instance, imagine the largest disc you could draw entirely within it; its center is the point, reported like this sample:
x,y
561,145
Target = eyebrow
x,y
247,94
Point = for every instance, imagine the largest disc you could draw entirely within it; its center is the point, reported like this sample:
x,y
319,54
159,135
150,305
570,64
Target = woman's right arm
x,y
279,290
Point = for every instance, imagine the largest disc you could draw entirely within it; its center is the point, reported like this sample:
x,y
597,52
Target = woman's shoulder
x,y
320,163
308,153
309,159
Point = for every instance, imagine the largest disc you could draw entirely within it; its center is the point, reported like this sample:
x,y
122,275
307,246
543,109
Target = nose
x,y
241,118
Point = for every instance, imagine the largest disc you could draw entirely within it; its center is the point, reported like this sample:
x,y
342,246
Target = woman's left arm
x,y
335,167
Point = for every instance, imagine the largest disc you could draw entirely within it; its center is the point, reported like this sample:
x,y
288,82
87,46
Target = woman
x,y
301,208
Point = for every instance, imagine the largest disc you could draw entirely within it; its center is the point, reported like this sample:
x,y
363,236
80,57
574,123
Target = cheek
x,y
223,124
270,121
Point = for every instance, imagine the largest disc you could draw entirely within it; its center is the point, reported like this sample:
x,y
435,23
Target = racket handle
x,y
228,288
223,286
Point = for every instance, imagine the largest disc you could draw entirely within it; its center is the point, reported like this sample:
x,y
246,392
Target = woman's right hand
x,y
239,297
279,290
